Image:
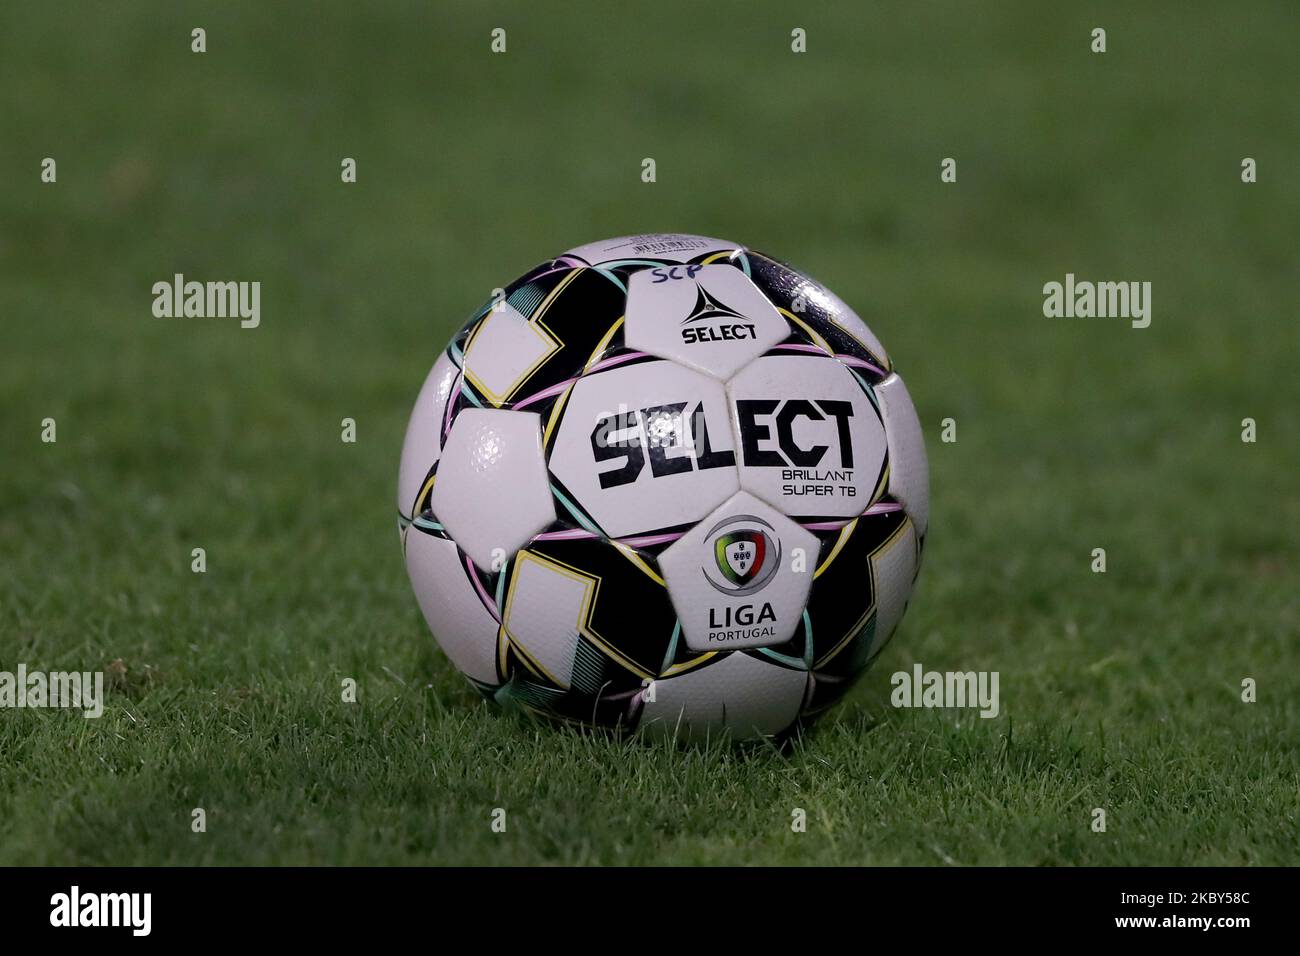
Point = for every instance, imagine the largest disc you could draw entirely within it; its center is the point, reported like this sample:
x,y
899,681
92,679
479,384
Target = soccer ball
x,y
664,482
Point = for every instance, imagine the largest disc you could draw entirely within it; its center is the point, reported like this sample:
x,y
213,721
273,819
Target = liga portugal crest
x,y
740,555
746,553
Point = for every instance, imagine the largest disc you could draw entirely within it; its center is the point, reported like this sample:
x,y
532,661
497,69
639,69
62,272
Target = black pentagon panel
x,y
592,698
619,643
582,315
811,310
540,276
841,604
573,317
631,620
829,686
625,634
841,592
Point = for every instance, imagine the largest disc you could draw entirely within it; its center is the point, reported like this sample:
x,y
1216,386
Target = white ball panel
x,y
461,624
672,475
909,471
739,694
492,490
749,594
809,393
423,442
666,246
711,318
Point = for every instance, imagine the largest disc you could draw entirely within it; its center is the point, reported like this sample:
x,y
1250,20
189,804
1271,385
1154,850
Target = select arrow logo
x,y
707,307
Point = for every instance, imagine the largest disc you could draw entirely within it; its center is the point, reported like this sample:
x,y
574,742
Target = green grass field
x,y
1119,690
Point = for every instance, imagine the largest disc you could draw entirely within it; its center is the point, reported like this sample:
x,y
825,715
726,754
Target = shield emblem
x,y
740,555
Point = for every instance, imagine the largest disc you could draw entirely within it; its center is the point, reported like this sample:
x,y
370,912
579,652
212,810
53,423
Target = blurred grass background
x,y
1118,690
